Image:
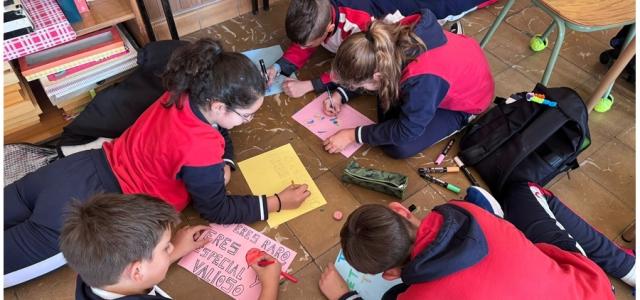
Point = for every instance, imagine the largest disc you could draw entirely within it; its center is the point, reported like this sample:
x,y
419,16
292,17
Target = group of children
x,y
109,212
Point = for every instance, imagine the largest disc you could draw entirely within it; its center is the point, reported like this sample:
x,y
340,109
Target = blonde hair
x,y
384,48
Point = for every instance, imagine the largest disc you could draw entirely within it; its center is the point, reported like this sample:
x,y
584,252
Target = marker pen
x,y
444,152
264,70
466,171
446,185
439,170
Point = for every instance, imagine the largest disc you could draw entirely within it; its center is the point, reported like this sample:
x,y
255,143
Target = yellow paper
x,y
272,171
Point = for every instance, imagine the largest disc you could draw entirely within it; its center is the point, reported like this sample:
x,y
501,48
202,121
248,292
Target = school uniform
x,y
353,16
537,252
86,292
176,155
170,153
439,91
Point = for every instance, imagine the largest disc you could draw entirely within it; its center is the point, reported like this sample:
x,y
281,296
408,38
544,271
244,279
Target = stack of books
x,y
73,72
16,20
50,28
20,107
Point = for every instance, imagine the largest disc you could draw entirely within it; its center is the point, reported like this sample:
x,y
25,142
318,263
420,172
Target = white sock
x,y
630,278
97,144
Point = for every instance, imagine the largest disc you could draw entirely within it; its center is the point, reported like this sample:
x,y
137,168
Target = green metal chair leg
x,y
494,27
607,95
556,50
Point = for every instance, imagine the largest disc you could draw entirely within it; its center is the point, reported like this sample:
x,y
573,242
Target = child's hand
x,y
293,196
295,88
268,275
227,174
272,73
187,239
337,142
331,106
331,283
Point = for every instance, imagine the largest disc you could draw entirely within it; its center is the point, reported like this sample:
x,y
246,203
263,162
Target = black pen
x,y
330,100
466,171
264,71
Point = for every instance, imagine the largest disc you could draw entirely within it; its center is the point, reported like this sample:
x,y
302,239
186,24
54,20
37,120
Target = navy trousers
x,y
543,218
34,208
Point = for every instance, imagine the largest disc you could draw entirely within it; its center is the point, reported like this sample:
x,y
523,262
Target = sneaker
x,y
456,27
484,199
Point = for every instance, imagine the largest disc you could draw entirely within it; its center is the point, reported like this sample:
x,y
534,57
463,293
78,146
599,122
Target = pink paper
x,y
312,117
222,262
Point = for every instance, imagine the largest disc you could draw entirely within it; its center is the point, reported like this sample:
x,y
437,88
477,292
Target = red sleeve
x,y
297,55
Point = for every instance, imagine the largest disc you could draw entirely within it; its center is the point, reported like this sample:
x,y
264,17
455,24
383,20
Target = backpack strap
x,y
529,139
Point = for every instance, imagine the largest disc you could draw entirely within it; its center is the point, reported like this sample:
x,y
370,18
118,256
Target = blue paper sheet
x,y
370,287
270,55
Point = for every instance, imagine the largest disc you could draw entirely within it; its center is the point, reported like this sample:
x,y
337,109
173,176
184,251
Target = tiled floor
x,y
602,190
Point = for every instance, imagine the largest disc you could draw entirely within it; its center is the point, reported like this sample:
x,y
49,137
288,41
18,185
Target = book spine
x,y
81,5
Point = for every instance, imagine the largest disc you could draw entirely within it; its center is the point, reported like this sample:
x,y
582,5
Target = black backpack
x,y
522,140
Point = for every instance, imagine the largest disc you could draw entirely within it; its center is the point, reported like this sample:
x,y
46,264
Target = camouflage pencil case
x,y
381,181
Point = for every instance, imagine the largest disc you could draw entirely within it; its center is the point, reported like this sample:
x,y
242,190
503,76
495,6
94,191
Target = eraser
x,y
439,159
337,215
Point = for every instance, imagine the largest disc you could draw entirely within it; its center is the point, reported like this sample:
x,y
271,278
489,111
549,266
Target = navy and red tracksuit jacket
x,y
464,252
353,16
176,155
453,74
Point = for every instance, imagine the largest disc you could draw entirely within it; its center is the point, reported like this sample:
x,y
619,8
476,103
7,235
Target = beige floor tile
x,y
476,21
306,288
509,44
317,230
613,166
328,257
531,21
614,122
497,65
61,283
594,203
628,137
564,72
517,6
425,200
605,36
583,50
375,158
511,81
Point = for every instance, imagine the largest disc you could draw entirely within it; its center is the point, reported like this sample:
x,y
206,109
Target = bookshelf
x,y
101,14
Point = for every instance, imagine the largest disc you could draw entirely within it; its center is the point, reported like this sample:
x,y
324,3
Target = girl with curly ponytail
x,y
428,82
178,150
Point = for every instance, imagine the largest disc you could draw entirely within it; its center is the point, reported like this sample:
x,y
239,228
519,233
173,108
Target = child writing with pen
x,y
310,24
176,151
122,246
429,82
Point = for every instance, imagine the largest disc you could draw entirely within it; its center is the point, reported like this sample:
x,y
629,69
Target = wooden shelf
x,y
51,121
103,14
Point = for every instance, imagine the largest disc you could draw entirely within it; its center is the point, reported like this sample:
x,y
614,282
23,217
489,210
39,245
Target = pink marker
x,y
444,152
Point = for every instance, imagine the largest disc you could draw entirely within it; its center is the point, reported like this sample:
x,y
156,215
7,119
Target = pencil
x,y
330,100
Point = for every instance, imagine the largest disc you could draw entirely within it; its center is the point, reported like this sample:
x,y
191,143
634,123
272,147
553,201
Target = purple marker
x,y
444,152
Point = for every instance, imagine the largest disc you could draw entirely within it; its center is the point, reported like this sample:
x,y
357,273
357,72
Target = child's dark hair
x,y
109,231
375,239
208,73
307,20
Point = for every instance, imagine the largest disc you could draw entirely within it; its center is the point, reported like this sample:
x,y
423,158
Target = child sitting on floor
x,y
429,82
312,23
122,247
465,250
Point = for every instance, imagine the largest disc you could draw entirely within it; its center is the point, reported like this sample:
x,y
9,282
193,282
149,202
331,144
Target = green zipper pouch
x,y
381,181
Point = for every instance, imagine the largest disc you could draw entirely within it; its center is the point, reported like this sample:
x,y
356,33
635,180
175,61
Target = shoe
x,y
484,199
457,28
